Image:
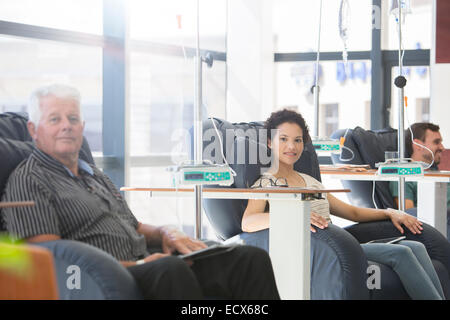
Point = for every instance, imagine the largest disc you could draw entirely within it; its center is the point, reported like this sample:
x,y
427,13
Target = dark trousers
x,y
242,273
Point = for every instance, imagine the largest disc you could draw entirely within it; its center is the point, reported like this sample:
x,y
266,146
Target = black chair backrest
x,y
16,145
245,148
368,147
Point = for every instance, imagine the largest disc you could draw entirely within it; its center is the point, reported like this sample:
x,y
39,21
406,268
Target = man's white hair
x,y
55,90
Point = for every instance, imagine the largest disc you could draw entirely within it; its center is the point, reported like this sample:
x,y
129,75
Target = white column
x,y
439,93
250,66
289,247
432,204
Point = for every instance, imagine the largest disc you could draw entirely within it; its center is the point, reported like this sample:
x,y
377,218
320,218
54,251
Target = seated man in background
x,y
76,201
427,135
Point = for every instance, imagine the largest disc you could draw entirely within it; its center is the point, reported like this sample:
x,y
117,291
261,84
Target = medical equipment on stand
x,y
326,145
203,173
199,173
321,145
399,167
400,83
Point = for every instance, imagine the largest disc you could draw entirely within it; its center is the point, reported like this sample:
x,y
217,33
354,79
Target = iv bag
x,y
343,20
343,23
405,5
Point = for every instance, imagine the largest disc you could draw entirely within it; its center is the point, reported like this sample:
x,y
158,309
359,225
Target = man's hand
x,y
399,217
155,256
150,258
175,240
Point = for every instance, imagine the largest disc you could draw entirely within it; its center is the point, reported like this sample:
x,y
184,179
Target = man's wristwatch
x,y
139,262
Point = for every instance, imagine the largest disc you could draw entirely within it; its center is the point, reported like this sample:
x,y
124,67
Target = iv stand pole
x,y
198,130
316,88
400,83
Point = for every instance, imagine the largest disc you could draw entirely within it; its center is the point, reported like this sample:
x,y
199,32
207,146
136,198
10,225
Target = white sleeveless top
x,y
320,207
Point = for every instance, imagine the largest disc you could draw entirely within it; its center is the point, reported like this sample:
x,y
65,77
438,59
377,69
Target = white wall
x,y
439,93
250,66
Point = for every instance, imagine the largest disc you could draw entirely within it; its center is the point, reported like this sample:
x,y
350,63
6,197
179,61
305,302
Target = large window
x,y
162,78
343,88
26,64
161,99
132,62
416,26
73,15
364,89
175,22
417,93
296,25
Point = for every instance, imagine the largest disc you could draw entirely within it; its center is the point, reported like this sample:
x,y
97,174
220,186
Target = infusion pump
x,y
202,174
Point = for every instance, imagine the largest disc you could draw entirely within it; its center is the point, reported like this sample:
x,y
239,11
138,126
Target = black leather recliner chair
x,y
102,276
338,264
368,147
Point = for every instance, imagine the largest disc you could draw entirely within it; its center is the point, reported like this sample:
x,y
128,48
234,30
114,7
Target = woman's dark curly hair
x,y
279,117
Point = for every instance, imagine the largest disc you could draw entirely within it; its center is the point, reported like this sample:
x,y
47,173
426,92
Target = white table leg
x,y
432,204
289,247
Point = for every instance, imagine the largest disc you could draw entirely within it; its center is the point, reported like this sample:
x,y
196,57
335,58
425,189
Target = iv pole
x,y
198,126
320,144
400,83
198,129
316,88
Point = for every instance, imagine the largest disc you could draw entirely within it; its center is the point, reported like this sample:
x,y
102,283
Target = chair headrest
x,y
373,144
368,146
245,148
14,126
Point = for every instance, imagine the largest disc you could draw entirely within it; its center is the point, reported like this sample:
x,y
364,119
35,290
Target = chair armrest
x,y
100,276
29,275
338,265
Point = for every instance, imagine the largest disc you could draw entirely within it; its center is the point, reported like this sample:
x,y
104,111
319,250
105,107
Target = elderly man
x,y
75,200
427,147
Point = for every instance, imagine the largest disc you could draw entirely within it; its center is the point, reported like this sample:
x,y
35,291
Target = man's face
x,y
59,132
433,141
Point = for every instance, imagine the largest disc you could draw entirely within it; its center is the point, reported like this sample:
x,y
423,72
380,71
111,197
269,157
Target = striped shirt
x,y
88,208
321,207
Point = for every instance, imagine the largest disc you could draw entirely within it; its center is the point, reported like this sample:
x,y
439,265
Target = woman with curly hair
x,y
408,259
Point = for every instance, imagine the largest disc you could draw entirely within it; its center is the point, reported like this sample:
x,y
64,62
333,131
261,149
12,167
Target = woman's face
x,y
287,145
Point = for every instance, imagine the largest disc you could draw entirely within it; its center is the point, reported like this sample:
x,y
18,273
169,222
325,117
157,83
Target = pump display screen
x,y
193,176
390,170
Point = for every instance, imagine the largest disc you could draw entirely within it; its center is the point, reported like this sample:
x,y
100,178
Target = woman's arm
x,y
357,214
254,218
349,212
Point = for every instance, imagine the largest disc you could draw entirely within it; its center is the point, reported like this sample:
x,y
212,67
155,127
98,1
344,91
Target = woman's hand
x,y
318,221
400,218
